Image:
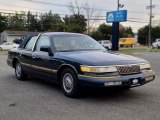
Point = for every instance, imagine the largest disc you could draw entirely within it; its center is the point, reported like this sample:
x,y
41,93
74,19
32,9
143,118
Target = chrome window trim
x,y
35,42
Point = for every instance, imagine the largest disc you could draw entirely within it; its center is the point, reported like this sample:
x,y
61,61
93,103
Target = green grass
x,y
131,51
3,52
154,50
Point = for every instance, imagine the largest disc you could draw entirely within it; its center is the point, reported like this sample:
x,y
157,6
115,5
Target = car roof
x,y
60,33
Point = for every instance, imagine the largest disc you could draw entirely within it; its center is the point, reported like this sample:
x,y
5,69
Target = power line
x,y
64,5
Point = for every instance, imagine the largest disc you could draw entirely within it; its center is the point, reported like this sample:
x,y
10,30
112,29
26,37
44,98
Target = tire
x,y
158,46
19,72
69,83
0,49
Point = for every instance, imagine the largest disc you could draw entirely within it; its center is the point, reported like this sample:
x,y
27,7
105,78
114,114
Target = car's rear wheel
x,y
0,49
19,72
69,83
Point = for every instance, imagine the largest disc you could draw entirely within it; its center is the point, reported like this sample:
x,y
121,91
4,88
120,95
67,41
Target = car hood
x,y
99,58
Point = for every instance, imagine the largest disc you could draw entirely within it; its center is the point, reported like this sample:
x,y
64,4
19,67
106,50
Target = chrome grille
x,y
126,70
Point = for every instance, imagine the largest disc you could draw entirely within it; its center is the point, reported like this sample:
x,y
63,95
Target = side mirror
x,y
47,49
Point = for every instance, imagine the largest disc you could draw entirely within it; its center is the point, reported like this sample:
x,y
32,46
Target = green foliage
x,y
44,22
17,22
51,22
3,22
126,32
143,34
104,32
75,23
32,23
97,35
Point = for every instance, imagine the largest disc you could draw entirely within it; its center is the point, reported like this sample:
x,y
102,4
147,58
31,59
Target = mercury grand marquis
x,y
75,60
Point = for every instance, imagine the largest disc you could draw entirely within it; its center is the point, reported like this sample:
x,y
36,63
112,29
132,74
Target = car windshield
x,y
76,43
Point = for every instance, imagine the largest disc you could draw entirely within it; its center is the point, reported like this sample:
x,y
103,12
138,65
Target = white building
x,y
9,36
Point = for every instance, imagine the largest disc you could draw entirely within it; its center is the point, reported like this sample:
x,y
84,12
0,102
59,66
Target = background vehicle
x,y
17,41
8,46
127,42
156,44
106,43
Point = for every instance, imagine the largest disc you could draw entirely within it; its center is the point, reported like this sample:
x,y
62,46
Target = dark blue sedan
x,y
75,60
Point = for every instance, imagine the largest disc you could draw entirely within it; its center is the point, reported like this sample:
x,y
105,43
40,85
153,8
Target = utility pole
x,y
115,33
150,22
118,5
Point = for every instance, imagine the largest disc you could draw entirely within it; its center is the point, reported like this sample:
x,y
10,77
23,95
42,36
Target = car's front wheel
x,y
19,72
69,83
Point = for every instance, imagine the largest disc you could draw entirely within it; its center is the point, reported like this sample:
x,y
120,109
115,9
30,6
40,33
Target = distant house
x,y
9,36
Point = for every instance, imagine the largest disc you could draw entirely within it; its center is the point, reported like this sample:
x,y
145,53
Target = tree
x,y
97,35
103,32
106,30
91,15
3,23
143,34
125,32
75,23
32,23
17,21
75,8
85,9
51,22
129,32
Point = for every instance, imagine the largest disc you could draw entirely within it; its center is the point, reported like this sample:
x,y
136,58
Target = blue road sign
x,y
116,16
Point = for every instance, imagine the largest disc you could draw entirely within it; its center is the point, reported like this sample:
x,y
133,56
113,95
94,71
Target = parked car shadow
x,y
91,93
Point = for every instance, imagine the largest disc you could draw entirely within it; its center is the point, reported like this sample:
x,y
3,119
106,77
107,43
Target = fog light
x,y
113,83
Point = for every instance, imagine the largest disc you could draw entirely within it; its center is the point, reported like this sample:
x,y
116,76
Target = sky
x,y
137,10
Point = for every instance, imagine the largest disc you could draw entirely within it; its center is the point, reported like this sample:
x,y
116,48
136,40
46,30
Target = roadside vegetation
x,y
4,52
131,51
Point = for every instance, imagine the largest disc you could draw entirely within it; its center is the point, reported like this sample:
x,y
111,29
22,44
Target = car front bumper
x,y
129,80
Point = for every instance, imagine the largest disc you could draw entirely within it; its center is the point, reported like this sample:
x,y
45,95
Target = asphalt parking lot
x,y
39,100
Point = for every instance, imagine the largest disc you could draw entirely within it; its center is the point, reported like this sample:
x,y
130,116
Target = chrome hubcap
x,y
18,70
68,82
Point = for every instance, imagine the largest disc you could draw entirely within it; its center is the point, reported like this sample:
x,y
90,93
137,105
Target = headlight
x,y
98,69
145,66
